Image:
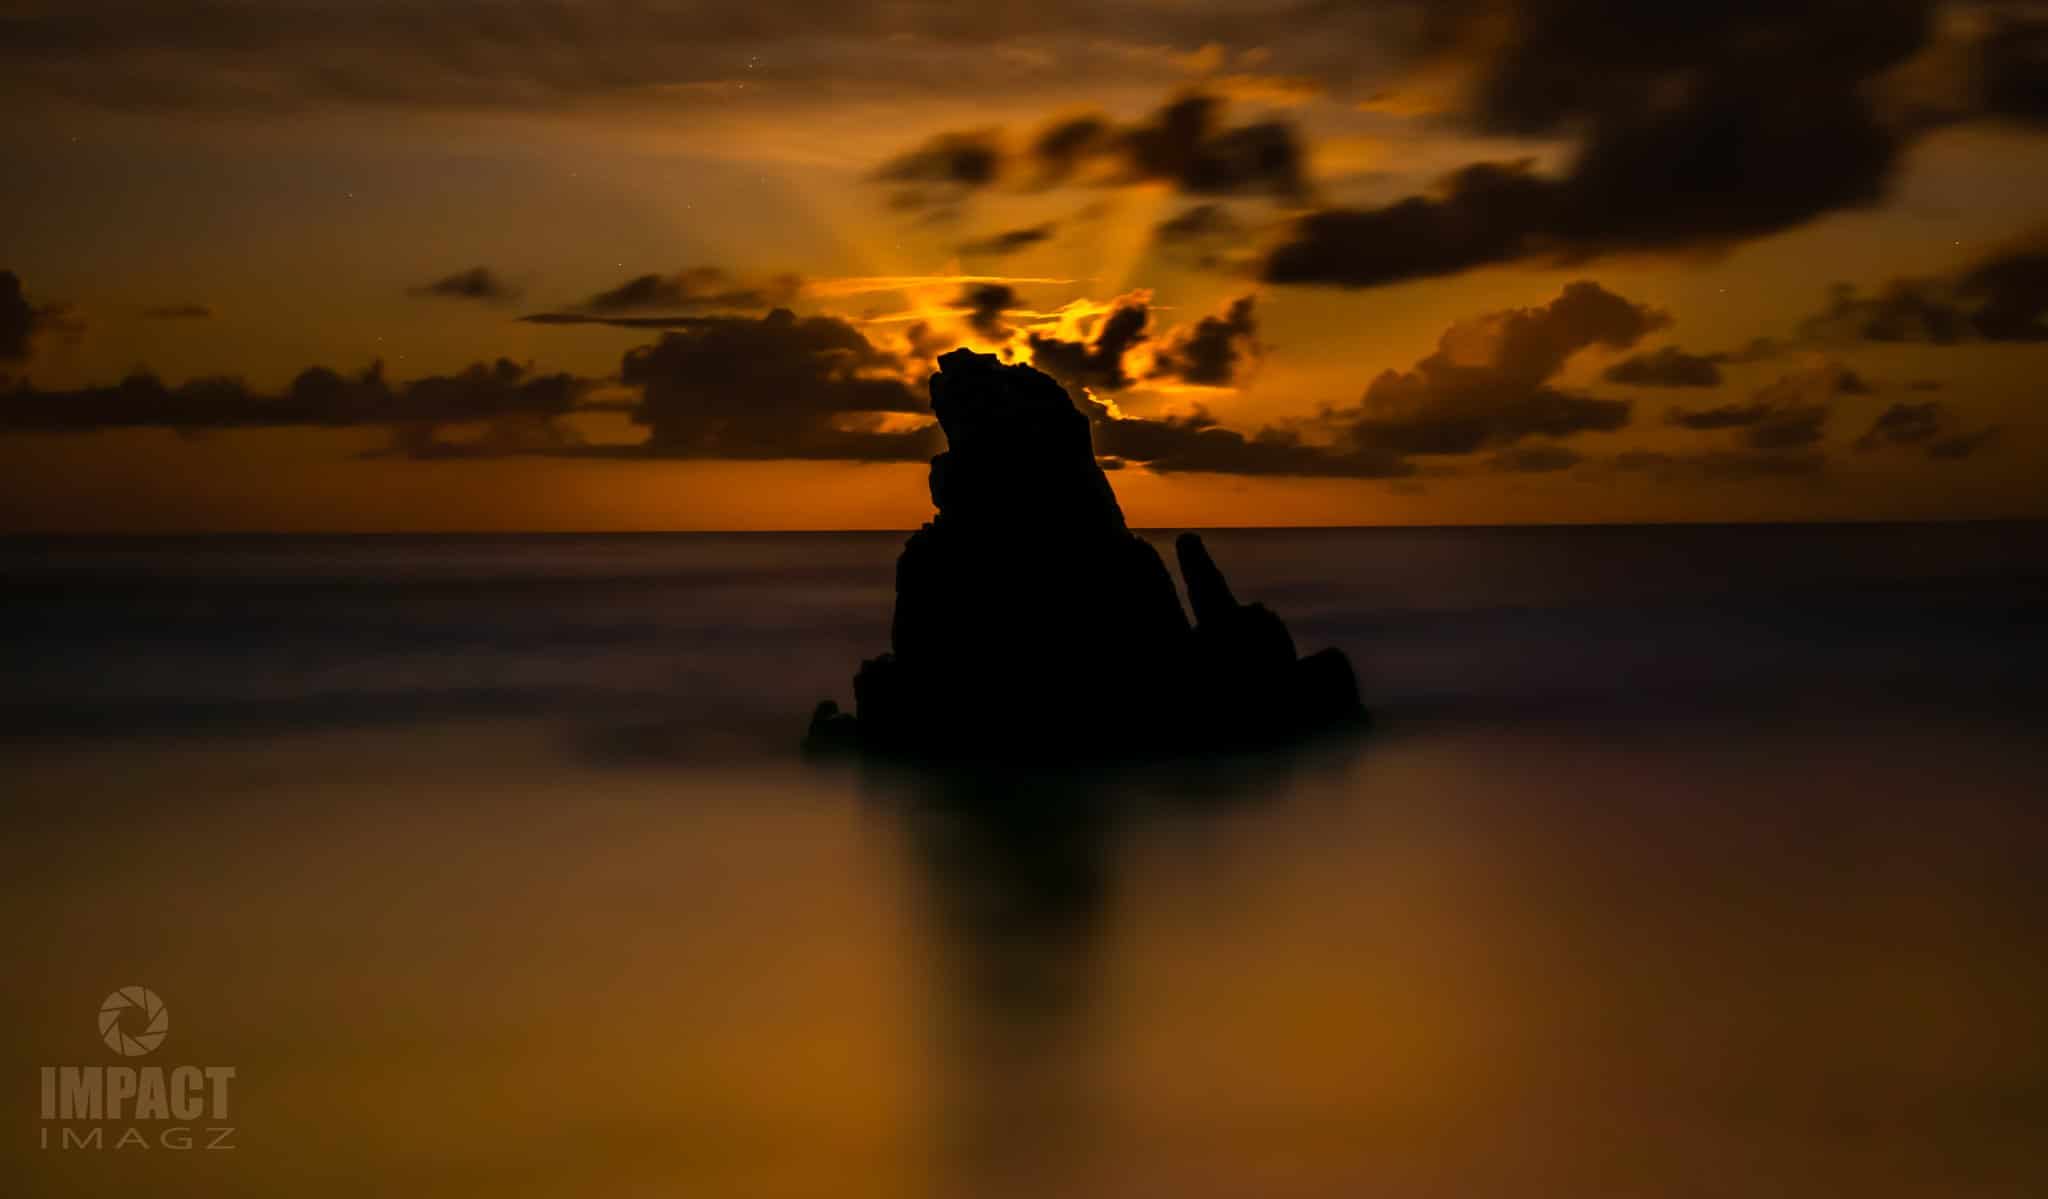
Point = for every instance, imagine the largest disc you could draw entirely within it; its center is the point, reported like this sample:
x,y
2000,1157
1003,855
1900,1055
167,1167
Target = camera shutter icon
x,y
149,1011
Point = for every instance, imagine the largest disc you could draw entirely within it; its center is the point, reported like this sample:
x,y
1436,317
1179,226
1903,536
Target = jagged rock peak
x,y
1018,449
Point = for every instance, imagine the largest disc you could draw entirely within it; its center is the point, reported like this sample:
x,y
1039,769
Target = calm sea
x,y
1683,861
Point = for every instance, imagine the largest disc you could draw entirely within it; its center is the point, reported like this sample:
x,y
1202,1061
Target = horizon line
x,y
1854,522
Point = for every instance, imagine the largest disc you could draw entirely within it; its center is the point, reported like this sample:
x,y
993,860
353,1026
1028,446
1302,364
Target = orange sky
x,y
178,224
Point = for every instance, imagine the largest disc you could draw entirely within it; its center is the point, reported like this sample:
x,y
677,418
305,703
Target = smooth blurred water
x,y
1697,861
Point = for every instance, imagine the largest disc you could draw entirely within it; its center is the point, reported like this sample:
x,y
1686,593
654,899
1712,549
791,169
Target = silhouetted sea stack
x,y
1032,625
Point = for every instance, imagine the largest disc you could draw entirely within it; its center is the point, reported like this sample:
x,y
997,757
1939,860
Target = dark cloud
x,y
317,397
985,304
1207,237
144,401
1063,146
1667,367
476,283
1962,445
178,312
1484,214
1925,385
1790,413
696,288
1719,170
1213,349
926,343
1438,425
1930,426
1787,428
481,392
22,323
2002,297
2008,291
958,160
1563,62
727,387
1185,143
1098,363
2012,65
1698,126
1488,384
1901,310
1904,424
1721,416
1009,241
17,319
777,387
1200,223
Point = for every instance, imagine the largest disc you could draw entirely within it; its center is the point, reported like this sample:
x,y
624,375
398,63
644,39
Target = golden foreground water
x,y
1762,955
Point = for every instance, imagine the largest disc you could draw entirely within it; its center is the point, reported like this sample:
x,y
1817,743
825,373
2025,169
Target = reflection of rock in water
x,y
1031,623
1018,873
1018,878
